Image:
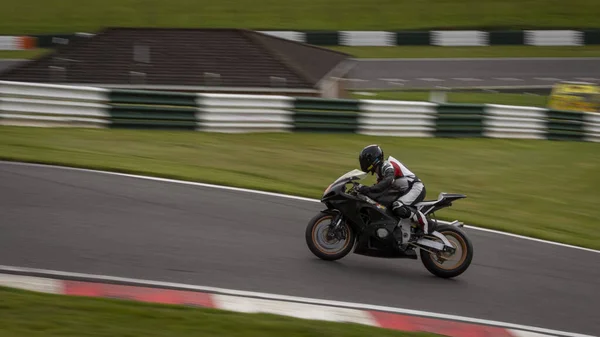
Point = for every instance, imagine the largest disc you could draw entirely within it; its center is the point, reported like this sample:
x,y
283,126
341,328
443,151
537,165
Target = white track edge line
x,y
476,59
268,296
273,194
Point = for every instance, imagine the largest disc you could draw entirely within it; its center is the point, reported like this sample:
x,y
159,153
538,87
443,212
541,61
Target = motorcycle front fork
x,y
335,228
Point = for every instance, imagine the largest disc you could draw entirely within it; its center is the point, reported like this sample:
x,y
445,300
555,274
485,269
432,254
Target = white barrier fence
x,y
397,118
35,104
367,38
244,113
506,121
592,127
389,38
15,43
9,43
443,37
54,91
459,38
554,38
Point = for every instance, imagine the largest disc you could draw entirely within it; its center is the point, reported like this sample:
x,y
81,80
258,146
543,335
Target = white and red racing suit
x,y
393,174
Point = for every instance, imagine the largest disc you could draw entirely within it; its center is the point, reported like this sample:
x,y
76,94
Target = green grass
x,y
38,16
417,52
69,16
22,54
460,97
24,313
467,52
542,189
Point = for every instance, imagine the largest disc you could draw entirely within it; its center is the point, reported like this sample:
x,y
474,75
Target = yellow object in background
x,y
575,96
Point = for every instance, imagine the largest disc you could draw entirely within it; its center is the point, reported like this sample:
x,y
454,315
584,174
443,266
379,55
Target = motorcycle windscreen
x,y
352,174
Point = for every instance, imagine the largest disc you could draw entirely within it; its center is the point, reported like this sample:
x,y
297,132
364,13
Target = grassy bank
x,y
23,54
25,313
415,52
512,185
459,97
38,16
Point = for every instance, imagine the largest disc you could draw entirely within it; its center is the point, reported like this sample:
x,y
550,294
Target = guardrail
x,y
244,113
592,127
546,37
397,118
17,42
32,104
35,104
504,121
453,38
326,115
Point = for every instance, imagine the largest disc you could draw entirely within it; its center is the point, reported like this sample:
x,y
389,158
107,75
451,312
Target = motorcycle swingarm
x,y
434,244
454,223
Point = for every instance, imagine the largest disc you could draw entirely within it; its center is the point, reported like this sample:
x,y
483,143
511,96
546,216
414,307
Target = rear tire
x,y
462,243
318,243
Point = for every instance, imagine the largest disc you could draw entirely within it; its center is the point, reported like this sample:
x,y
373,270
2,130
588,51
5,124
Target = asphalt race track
x,y
5,64
459,73
95,223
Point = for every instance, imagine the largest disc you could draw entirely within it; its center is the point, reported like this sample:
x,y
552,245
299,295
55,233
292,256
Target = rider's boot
x,y
423,225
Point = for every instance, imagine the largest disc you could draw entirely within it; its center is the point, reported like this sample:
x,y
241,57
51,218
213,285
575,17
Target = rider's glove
x,y
363,189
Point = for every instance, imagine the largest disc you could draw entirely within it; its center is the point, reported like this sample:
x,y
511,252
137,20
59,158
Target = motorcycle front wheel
x,y
445,265
326,244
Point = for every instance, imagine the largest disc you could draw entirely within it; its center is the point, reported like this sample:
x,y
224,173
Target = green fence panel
x,y
53,40
412,38
591,37
144,117
565,125
149,97
312,114
314,103
330,122
459,120
498,38
323,38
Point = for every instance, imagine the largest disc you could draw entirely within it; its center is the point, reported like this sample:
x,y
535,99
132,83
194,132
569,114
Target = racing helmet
x,y
370,157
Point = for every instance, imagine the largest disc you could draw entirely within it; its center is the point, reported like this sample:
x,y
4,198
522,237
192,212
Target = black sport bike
x,y
356,220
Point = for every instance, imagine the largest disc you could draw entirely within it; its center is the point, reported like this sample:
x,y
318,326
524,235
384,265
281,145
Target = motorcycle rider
x,y
391,173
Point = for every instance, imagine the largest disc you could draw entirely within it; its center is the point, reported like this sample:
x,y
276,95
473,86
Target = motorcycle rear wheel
x,y
459,239
324,247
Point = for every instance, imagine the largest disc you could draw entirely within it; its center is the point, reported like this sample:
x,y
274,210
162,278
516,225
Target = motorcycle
x,y
353,220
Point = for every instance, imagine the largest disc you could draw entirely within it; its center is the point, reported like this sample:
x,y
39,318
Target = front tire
x,y
463,255
324,247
